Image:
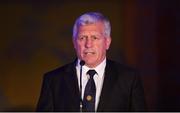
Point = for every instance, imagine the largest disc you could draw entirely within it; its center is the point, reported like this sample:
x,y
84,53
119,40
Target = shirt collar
x,y
99,68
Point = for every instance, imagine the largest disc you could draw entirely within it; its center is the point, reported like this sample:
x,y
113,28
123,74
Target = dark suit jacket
x,y
122,90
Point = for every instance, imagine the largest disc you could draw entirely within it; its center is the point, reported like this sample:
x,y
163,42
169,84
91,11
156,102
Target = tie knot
x,y
91,73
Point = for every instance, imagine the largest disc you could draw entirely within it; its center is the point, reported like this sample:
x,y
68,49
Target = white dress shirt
x,y
98,78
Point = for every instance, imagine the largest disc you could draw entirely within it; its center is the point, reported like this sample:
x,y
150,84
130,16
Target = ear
x,y
74,42
108,42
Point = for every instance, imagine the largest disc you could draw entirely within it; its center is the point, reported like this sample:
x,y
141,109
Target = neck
x,y
95,65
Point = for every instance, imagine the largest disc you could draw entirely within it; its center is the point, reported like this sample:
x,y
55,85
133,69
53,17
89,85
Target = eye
x,y
95,37
82,37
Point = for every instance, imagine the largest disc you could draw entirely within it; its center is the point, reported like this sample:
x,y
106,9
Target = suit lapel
x,y
109,81
72,85
108,84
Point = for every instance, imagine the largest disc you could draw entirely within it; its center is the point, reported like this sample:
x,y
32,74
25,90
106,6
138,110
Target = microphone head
x,y
82,62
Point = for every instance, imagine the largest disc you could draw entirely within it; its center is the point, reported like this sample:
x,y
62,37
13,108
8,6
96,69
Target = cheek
x,y
101,49
79,48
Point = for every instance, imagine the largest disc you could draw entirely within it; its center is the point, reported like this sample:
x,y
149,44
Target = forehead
x,y
96,28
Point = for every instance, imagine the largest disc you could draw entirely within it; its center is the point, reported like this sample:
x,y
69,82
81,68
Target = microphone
x,y
82,62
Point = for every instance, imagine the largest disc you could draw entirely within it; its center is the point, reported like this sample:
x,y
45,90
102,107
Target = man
x,y
92,82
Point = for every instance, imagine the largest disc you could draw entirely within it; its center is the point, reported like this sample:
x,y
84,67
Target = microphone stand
x,y
81,101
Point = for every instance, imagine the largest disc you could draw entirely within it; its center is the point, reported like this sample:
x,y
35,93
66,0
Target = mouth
x,y
89,53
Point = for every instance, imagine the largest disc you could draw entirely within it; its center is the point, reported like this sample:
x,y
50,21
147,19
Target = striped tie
x,y
90,93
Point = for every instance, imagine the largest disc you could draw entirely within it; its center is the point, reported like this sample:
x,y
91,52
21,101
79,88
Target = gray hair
x,y
92,18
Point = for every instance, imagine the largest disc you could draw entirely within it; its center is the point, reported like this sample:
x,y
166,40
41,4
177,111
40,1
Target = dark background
x,y
36,38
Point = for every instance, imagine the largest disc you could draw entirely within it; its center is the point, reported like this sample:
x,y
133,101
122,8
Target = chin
x,y
90,63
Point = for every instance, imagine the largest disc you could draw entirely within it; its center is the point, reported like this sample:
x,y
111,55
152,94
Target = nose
x,y
88,43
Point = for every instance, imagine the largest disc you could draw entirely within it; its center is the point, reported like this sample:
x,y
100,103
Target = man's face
x,y
91,45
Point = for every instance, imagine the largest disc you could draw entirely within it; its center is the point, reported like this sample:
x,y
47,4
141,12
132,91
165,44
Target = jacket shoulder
x,y
122,71
60,71
120,66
